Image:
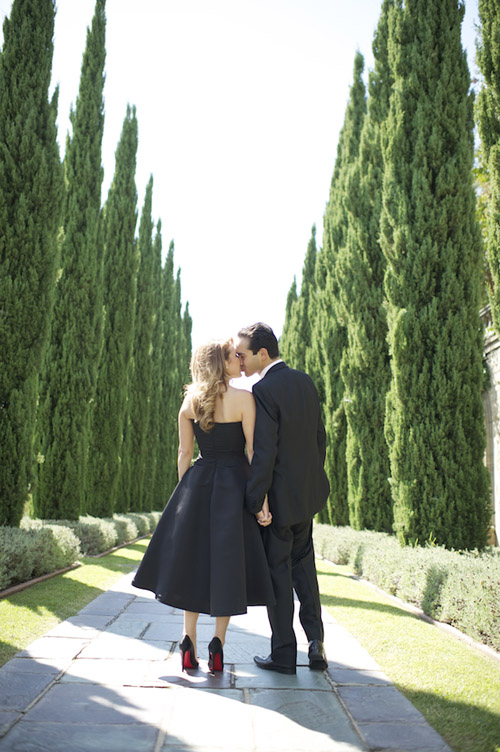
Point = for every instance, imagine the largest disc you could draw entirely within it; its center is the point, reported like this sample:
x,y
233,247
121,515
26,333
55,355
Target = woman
x,y
206,554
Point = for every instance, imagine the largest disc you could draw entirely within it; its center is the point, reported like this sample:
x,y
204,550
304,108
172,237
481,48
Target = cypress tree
x,y
167,469
302,331
332,326
154,450
360,272
187,325
30,204
120,273
285,342
430,237
134,449
183,350
488,115
70,369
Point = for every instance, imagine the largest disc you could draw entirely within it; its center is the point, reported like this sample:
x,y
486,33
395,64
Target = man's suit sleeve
x,y
265,450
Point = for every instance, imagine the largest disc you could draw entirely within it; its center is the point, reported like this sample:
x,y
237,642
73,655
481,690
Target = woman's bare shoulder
x,y
186,409
243,396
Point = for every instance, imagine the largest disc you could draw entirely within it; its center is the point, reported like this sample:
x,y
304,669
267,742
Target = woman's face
x,y
233,365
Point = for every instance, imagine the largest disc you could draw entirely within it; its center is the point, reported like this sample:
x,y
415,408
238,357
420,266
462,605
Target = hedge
x,y
40,547
456,587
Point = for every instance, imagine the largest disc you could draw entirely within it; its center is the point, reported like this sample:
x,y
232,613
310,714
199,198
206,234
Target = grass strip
x,y
31,613
453,685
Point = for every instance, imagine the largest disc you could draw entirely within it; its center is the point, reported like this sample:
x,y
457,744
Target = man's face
x,y
249,363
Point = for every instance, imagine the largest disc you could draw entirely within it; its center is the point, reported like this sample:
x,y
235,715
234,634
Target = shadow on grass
x,y
466,727
342,602
367,605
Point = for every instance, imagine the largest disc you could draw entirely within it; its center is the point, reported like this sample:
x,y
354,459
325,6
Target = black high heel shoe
x,y
215,655
187,653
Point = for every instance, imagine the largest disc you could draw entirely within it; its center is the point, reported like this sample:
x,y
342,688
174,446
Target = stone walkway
x,y
110,679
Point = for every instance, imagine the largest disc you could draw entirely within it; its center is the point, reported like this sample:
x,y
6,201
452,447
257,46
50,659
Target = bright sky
x,y
239,105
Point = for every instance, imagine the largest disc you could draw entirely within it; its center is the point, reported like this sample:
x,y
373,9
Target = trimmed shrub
x,y
41,546
470,599
125,528
142,522
34,550
53,546
459,588
96,535
17,557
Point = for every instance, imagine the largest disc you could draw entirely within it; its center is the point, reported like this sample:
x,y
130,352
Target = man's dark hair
x,y
261,335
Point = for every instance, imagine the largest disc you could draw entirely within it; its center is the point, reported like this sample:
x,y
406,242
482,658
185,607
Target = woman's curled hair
x,y
208,371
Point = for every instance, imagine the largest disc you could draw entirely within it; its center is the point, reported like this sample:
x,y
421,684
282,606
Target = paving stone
x,y
107,603
149,607
247,677
170,672
301,721
76,703
48,666
7,718
111,672
403,737
86,626
348,676
152,618
210,719
379,704
67,737
53,647
18,690
116,646
244,652
127,627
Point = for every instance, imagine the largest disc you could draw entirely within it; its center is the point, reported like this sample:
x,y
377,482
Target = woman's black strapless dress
x,y
206,554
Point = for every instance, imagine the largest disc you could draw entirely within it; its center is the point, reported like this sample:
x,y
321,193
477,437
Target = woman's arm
x,y
264,517
248,421
186,439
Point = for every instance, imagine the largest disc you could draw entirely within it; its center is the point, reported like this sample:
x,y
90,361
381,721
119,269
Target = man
x,y
289,453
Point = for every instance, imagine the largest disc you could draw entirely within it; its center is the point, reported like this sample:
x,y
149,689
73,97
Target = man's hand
x,y
264,517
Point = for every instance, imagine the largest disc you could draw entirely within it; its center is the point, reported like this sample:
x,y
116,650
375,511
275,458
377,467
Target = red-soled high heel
x,y
187,653
215,655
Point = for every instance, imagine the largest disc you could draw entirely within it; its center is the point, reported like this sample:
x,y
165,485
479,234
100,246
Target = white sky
x,y
239,105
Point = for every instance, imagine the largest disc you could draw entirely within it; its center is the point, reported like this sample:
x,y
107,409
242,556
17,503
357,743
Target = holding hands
x,y
264,517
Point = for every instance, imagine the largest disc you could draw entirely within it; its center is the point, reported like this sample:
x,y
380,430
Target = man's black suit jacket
x,y
289,448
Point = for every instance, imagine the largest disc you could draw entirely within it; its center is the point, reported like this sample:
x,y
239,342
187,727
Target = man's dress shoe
x,y
271,665
317,656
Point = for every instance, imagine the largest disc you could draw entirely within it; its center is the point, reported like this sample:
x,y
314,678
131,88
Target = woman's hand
x,y
264,517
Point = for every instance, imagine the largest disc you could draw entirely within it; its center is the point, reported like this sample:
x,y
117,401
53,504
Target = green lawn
x,y
32,612
456,687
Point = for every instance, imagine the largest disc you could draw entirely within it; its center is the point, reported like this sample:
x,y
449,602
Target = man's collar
x,y
268,367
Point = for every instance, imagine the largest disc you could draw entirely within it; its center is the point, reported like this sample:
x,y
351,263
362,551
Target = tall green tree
x,y
285,342
488,116
302,331
30,205
360,270
139,392
184,326
72,358
166,474
109,407
331,330
153,449
430,237
297,330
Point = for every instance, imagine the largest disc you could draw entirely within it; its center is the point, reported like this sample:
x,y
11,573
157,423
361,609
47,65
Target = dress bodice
x,y
223,441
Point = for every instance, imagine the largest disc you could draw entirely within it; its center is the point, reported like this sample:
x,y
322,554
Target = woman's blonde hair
x,y
210,380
